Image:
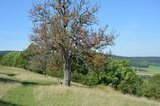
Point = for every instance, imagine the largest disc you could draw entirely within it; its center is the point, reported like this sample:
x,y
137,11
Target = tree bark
x,y
67,72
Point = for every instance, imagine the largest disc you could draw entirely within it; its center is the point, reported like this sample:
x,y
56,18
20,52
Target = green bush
x,y
104,70
0,59
37,64
118,74
130,82
151,88
15,59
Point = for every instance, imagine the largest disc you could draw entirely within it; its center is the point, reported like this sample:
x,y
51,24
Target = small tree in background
x,y
65,27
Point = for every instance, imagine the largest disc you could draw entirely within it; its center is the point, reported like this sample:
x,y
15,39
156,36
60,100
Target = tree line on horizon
x,y
141,62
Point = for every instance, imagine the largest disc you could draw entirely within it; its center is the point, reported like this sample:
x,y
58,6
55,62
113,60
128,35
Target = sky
x,y
136,22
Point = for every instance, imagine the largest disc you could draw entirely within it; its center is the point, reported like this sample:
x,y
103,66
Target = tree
x,y
65,27
16,59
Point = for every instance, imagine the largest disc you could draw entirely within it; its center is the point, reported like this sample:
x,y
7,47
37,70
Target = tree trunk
x,y
67,71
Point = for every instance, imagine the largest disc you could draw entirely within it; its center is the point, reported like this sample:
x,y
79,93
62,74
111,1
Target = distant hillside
x,y
140,61
5,52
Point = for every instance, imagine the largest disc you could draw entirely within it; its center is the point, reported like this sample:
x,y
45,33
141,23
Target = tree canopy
x,y
65,26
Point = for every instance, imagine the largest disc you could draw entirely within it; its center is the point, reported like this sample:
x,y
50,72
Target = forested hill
x,y
5,52
140,61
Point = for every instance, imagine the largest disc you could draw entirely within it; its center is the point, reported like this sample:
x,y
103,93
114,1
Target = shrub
x,y
15,59
116,73
151,87
0,59
130,83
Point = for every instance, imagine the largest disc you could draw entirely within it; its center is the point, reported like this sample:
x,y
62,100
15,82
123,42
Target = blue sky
x,y
137,23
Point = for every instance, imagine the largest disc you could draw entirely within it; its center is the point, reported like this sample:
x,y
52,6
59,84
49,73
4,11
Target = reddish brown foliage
x,y
64,26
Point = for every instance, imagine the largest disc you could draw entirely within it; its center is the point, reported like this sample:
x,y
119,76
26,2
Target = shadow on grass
x,y
7,80
10,75
4,103
25,83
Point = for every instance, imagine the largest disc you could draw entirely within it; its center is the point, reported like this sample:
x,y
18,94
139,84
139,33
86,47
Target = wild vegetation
x,y
98,69
15,59
4,52
65,46
21,87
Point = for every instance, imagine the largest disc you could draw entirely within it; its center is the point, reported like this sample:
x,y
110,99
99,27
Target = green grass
x,y
22,95
19,87
151,70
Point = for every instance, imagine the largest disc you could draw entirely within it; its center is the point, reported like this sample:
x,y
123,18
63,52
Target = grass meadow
x,y
19,87
149,71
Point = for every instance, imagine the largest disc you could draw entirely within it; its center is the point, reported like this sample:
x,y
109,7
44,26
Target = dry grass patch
x,y
24,75
69,96
79,96
5,87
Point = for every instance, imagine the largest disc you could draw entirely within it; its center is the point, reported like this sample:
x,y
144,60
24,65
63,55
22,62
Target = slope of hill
x,y
20,87
140,61
5,52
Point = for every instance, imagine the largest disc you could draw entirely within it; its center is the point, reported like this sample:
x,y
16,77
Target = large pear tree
x,y
66,27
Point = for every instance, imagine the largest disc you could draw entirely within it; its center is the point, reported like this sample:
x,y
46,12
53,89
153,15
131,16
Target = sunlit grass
x,y
79,96
149,71
21,87
5,87
153,69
